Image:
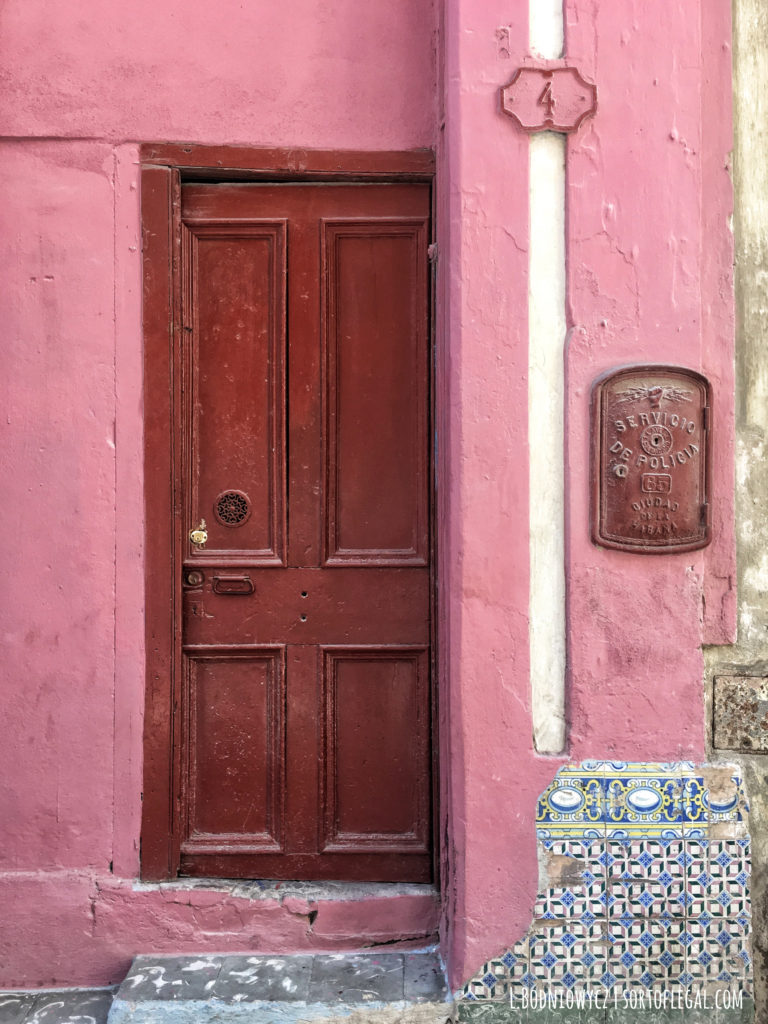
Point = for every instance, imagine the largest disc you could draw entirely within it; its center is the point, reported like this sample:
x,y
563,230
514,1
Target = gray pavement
x,y
390,988
60,1006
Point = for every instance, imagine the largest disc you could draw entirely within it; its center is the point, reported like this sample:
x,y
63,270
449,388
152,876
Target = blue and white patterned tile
x,y
697,848
594,853
623,852
738,964
501,977
697,877
476,989
745,847
620,903
660,897
622,799
719,953
644,859
518,966
627,928
593,880
641,769
647,878
629,961
567,957
650,901
729,860
487,987
567,903
662,950
672,867
572,848
692,800
728,888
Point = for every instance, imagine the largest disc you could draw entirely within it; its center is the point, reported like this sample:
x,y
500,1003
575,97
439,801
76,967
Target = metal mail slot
x,y
650,459
233,585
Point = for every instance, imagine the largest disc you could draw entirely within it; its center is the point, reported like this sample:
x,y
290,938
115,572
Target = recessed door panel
x,y
376,413
376,749
306,615
235,723
238,387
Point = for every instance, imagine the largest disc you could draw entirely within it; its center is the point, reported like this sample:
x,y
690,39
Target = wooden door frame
x,y
164,167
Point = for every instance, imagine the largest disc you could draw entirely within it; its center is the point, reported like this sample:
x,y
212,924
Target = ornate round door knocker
x,y
232,508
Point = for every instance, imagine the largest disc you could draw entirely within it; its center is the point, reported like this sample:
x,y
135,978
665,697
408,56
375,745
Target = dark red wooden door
x,y
306,711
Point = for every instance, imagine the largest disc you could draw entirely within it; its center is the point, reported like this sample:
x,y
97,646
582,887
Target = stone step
x,y
56,1006
371,988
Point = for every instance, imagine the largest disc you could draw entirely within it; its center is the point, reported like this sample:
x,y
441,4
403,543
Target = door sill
x,y
270,889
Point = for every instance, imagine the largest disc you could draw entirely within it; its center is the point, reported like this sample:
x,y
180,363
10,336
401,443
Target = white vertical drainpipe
x,y
546,392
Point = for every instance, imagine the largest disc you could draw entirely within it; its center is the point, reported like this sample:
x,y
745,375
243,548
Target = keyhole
x,y
303,618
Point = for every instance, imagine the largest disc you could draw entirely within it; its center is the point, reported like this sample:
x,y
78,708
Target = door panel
x,y
375,755
305,447
235,710
238,386
375,456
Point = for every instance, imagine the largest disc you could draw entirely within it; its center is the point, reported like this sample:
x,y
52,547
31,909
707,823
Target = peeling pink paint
x,y
649,279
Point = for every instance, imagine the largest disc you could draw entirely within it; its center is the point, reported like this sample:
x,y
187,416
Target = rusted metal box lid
x,y
650,458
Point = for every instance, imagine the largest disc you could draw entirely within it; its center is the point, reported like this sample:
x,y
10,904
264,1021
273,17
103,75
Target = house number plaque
x,y
650,458
555,99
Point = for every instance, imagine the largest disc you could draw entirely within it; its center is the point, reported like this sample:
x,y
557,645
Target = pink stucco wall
x,y
89,83
492,777
649,279
649,259
330,75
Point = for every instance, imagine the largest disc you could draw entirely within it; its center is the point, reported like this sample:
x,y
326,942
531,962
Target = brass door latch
x,y
199,535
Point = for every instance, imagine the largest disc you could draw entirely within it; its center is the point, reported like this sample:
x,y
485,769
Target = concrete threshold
x,y
372,988
269,889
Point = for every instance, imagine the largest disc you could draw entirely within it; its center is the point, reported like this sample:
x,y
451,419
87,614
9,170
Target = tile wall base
x,y
644,906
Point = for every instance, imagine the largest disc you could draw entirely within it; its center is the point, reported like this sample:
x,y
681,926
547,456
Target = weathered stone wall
x,y
738,722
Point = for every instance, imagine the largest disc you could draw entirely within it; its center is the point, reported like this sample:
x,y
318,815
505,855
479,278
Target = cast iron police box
x,y
651,453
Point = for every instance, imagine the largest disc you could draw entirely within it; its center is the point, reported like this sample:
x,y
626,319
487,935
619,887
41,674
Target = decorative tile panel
x,y
649,866
573,806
